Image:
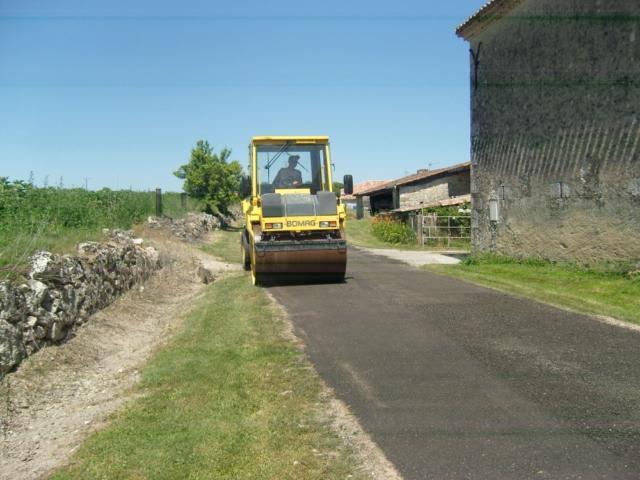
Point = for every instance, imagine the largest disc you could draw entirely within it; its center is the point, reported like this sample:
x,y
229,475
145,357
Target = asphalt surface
x,y
455,381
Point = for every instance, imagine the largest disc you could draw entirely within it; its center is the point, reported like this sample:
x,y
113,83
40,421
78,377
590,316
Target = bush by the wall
x,y
392,231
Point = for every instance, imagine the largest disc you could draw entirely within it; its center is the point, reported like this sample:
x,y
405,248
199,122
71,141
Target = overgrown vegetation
x,y
229,398
604,289
360,233
449,211
392,231
56,219
211,177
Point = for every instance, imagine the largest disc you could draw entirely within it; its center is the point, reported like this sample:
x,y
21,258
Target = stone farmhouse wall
x,y
556,131
432,191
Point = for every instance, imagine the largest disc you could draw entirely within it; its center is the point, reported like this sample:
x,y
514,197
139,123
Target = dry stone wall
x,y
62,291
189,228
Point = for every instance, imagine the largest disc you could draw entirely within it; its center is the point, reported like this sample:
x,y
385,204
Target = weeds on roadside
x,y
392,231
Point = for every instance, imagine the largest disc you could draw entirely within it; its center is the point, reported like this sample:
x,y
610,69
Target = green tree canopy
x,y
211,176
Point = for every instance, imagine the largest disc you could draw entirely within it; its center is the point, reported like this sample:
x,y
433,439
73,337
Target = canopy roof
x,y
297,139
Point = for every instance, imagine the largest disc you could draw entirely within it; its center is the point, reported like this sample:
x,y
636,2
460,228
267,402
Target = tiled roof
x,y
415,177
489,12
362,186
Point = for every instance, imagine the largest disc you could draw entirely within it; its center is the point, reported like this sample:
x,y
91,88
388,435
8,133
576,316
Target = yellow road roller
x,y
294,221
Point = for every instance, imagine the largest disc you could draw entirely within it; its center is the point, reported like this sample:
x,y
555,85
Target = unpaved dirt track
x,y
454,381
61,394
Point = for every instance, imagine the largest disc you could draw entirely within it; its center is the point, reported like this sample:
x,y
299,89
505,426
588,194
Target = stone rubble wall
x,y
189,228
62,291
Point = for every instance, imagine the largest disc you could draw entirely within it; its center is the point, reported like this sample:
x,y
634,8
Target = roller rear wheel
x,y
246,258
256,278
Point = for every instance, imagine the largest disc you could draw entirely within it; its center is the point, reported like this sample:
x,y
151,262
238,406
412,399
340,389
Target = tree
x,y
211,177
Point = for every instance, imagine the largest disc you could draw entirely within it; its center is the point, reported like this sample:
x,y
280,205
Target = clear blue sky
x,y
119,91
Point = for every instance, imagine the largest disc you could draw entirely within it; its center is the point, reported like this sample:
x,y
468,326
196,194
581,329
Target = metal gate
x,y
442,230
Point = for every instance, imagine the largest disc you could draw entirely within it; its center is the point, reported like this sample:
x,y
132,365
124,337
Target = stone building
x,y
424,188
555,128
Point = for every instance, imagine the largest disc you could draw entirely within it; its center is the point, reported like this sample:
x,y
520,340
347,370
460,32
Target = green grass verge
x,y
601,293
225,245
360,234
228,398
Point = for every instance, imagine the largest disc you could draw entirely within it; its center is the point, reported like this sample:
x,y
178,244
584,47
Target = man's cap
x,y
295,157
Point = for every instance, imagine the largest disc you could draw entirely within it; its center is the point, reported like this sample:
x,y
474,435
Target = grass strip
x,y
360,234
601,293
228,398
225,245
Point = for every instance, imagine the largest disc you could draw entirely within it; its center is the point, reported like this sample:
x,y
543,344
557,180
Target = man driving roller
x,y
289,176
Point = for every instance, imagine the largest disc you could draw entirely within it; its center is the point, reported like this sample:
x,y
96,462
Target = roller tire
x,y
246,259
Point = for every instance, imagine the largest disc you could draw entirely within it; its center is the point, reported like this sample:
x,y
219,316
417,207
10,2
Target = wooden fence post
x,y
183,200
158,202
359,207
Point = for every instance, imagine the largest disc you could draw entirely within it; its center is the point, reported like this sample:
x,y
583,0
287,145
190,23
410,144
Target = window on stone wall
x,y
560,190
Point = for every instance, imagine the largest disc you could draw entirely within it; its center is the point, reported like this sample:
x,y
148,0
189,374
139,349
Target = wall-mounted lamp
x,y
494,216
494,210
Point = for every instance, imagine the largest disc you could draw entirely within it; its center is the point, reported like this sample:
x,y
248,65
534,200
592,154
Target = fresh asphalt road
x,y
454,381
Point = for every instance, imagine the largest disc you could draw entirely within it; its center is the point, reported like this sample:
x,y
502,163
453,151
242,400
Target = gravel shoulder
x,y
415,258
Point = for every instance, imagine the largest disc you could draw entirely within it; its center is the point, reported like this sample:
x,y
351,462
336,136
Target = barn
x,y
555,128
424,188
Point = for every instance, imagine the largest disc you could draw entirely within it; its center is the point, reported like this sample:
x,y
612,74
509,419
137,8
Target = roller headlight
x,y
326,224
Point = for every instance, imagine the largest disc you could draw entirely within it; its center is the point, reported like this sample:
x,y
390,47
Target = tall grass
x,y
55,218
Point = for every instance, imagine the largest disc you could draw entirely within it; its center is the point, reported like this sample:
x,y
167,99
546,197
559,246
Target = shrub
x,y
211,177
391,231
